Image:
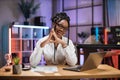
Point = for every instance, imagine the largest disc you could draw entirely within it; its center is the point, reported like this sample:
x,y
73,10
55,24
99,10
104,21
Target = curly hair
x,y
60,16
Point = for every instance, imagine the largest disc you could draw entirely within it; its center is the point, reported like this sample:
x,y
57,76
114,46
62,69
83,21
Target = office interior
x,y
88,17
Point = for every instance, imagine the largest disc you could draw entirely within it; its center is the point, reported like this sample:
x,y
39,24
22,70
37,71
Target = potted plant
x,y
28,7
17,68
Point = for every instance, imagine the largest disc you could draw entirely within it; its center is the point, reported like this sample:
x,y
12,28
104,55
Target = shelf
x,y
21,40
25,57
26,32
98,46
15,32
29,51
38,33
30,26
15,45
34,43
26,45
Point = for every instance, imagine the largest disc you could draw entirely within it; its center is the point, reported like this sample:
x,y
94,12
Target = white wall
x,y
9,12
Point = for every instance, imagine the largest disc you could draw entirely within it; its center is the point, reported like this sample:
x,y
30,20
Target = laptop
x,y
92,62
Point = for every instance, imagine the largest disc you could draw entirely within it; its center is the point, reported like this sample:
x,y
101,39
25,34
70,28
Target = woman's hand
x,y
53,39
50,39
58,40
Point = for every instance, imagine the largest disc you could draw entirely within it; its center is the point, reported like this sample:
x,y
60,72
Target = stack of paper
x,y
45,69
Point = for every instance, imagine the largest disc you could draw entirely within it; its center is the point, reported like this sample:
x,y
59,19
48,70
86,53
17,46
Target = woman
x,y
56,48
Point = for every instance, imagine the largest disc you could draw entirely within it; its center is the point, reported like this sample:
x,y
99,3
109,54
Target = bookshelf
x,y
22,40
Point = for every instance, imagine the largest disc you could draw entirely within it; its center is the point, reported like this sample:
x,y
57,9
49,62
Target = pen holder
x,y
17,69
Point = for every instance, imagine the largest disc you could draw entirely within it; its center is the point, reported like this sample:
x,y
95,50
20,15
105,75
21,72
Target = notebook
x,y
92,62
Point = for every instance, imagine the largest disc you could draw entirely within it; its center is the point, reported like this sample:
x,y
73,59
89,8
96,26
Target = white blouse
x,y
54,56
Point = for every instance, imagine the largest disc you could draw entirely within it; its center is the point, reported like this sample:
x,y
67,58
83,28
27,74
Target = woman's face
x,y
61,28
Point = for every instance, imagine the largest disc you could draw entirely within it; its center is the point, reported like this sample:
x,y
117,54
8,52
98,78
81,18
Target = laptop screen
x,y
93,60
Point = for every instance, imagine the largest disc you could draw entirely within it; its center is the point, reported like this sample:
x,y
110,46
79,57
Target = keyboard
x,y
74,68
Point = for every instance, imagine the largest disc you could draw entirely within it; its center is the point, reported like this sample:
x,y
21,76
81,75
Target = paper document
x,y
45,69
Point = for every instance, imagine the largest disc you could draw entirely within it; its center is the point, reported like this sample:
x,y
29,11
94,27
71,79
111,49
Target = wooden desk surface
x,y
103,71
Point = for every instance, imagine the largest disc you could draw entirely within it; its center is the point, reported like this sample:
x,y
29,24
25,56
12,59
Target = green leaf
x,y
34,9
16,60
28,7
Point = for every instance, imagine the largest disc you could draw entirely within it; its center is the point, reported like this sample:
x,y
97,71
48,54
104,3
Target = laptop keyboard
x,y
75,68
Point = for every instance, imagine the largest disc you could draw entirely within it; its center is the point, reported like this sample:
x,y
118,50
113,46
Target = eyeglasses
x,y
62,27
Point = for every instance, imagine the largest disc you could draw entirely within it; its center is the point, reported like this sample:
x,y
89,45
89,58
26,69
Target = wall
x,y
9,12
57,6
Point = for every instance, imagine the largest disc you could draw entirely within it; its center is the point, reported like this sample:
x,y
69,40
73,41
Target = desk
x,y
91,47
103,71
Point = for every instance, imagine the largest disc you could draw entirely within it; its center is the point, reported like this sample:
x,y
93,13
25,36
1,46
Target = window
x,y
83,15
